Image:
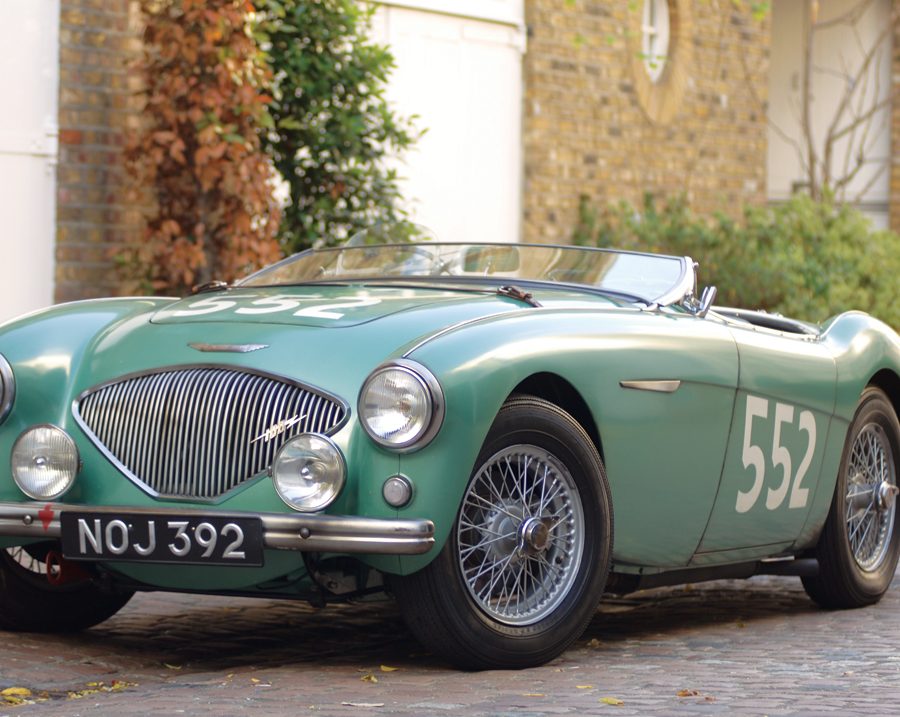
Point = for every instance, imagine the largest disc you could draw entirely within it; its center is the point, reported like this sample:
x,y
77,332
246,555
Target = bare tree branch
x,y
850,17
863,68
865,117
809,22
882,168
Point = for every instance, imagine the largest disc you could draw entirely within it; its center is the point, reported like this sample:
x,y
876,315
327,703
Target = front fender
x,y
480,365
46,349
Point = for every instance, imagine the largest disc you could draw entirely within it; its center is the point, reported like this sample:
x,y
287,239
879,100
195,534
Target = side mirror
x,y
700,308
706,300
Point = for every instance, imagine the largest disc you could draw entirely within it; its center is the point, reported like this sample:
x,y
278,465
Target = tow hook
x,y
64,572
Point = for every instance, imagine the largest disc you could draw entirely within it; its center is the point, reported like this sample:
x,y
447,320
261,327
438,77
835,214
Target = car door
x,y
664,403
783,409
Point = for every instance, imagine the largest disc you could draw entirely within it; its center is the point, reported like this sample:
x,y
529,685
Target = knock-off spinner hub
x,y
534,535
887,494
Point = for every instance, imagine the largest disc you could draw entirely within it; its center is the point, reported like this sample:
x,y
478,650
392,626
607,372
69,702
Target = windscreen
x,y
646,277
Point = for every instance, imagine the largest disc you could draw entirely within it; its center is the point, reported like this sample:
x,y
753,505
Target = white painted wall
x,y
836,50
459,68
29,71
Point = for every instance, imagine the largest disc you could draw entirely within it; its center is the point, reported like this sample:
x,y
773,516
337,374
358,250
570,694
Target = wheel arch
x,y
558,391
889,382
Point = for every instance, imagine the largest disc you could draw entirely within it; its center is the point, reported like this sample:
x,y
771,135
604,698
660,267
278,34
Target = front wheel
x,y
860,543
30,603
525,565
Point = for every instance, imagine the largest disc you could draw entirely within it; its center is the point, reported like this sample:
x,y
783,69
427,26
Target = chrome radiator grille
x,y
199,432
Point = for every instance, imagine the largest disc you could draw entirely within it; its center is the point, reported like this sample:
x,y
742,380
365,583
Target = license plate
x,y
140,537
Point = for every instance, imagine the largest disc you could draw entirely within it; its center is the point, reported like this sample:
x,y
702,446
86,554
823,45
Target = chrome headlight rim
x,y
7,388
71,441
335,494
435,394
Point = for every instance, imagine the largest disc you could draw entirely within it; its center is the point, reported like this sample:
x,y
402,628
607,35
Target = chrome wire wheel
x,y
871,497
520,535
21,558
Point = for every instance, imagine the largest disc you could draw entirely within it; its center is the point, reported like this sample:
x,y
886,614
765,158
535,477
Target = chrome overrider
x,y
319,533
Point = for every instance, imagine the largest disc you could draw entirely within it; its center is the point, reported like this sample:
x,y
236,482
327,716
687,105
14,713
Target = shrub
x,y
333,130
804,259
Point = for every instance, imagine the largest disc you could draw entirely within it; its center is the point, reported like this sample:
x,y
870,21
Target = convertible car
x,y
496,435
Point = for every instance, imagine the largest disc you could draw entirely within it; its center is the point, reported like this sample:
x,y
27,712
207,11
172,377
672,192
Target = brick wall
x,y
97,104
594,124
894,200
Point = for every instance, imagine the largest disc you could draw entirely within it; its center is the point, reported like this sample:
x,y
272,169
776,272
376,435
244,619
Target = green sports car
x,y
497,435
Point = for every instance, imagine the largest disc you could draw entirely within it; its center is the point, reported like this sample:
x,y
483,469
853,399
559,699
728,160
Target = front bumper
x,y
313,532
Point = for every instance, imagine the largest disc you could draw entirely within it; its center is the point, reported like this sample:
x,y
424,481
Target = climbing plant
x,y
198,157
334,135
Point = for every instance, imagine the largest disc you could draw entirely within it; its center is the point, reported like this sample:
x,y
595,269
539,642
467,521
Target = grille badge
x,y
277,429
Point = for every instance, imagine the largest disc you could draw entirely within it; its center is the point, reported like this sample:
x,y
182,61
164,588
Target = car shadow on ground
x,y
666,611
214,634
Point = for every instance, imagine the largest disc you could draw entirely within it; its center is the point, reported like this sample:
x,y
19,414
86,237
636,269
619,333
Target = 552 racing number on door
x,y
790,483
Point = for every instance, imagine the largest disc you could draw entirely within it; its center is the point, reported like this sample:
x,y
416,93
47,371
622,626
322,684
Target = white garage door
x,y
839,51
29,58
459,68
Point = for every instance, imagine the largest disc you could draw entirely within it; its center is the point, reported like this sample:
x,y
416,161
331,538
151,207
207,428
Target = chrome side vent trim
x,y
197,433
660,386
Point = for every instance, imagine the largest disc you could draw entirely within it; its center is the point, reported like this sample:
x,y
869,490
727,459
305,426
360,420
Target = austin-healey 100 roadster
x,y
496,435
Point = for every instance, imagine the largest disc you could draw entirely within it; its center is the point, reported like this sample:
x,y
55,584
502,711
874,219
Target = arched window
x,y
655,37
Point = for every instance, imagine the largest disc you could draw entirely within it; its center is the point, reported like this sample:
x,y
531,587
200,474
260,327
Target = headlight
x,y
44,462
309,472
7,388
401,405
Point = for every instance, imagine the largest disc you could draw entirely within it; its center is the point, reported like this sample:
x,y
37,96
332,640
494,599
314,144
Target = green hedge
x,y
804,259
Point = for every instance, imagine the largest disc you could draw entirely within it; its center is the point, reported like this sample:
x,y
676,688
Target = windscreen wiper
x,y
514,292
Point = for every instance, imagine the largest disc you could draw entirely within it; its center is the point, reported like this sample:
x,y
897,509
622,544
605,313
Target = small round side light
x,y
397,491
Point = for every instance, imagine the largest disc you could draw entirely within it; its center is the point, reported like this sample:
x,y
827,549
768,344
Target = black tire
x,y
854,569
30,603
556,547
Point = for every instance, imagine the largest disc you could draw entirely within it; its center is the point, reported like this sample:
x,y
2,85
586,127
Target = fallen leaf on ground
x,y
385,668
369,678
612,701
94,688
16,692
594,643
533,694
688,693
171,667
584,687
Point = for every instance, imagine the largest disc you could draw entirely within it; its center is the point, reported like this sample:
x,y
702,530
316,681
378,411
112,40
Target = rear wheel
x,y
860,542
29,602
526,562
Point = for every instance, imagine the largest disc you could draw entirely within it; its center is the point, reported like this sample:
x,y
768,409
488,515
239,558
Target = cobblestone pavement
x,y
757,647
